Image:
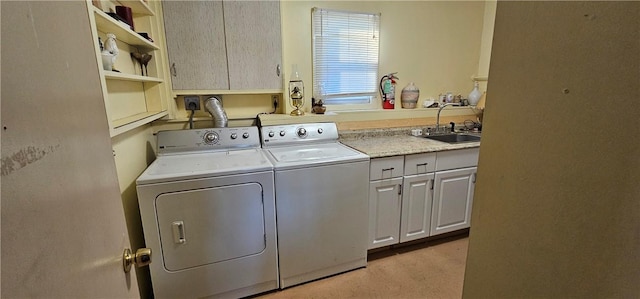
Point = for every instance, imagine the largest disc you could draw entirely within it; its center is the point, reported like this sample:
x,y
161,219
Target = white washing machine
x,y
322,190
208,214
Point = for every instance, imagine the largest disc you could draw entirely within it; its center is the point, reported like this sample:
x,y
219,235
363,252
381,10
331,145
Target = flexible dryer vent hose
x,y
214,107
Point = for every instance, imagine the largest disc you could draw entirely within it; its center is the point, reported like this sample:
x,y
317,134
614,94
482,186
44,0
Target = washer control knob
x,y
234,135
271,134
211,138
320,131
302,132
245,135
282,133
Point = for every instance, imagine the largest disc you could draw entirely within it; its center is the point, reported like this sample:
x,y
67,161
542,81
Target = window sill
x,y
428,114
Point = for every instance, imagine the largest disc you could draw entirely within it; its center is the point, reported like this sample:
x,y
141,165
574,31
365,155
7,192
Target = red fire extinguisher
x,y
388,90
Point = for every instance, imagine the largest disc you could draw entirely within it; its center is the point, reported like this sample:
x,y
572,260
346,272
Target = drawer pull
x,y
421,164
387,169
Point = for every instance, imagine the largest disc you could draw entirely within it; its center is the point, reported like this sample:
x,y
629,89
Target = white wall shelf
x,y
128,123
107,24
109,75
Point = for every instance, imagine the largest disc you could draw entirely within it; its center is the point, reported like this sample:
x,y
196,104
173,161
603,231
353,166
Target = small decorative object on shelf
x,y
143,59
318,107
125,13
110,51
475,94
316,101
409,96
296,91
118,18
145,35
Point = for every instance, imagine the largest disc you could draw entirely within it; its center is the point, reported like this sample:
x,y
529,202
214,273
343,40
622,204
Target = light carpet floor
x,y
434,269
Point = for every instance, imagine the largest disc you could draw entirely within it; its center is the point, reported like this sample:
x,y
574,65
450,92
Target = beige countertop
x,y
396,142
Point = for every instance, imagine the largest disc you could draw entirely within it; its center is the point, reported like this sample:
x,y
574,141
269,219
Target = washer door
x,y
211,225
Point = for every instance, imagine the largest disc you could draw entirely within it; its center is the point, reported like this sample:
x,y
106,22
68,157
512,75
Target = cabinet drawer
x,y
419,163
384,168
457,158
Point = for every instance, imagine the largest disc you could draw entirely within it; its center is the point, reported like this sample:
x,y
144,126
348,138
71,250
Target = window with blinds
x,y
345,56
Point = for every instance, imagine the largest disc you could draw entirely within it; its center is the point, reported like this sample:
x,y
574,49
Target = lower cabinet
x,y
384,212
452,200
416,196
417,199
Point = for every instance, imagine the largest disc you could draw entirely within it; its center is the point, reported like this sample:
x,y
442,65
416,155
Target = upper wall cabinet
x,y
224,45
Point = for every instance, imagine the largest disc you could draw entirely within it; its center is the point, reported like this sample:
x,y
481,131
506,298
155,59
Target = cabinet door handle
x,y
278,70
173,70
178,232
400,189
433,182
473,179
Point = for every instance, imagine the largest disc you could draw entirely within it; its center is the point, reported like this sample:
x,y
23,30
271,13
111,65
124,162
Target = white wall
x,y
557,202
435,44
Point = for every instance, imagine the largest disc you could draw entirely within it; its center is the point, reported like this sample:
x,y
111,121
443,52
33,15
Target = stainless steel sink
x,y
454,138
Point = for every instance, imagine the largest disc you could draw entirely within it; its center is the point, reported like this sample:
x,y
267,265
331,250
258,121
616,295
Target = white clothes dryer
x,y
208,214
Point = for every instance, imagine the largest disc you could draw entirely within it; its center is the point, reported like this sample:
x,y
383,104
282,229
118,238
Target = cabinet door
x,y
417,200
196,44
453,196
254,44
384,212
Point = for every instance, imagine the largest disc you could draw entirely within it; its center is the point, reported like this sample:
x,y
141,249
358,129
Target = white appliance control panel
x,y
297,133
206,140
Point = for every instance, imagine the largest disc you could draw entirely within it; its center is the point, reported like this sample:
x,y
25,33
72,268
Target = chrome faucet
x,y
438,117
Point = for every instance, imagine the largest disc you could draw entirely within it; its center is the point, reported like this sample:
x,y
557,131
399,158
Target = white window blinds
x,y
345,55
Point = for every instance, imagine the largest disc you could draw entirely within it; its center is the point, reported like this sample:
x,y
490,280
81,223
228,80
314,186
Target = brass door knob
x,y
141,258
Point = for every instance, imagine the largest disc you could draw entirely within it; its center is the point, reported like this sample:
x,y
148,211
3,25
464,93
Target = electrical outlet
x,y
192,103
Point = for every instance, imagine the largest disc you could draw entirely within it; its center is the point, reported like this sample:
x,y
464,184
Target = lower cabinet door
x,y
384,212
452,199
417,200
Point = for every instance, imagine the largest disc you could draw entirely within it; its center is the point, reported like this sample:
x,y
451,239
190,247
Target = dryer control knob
x,y
271,134
234,135
282,133
320,131
211,138
245,135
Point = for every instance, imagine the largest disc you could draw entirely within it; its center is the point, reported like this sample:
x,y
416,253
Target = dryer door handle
x,y
178,232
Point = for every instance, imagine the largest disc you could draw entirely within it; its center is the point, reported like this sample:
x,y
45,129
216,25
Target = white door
x,y
63,226
452,199
384,212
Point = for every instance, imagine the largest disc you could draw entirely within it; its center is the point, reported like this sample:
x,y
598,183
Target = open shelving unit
x,y
131,98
